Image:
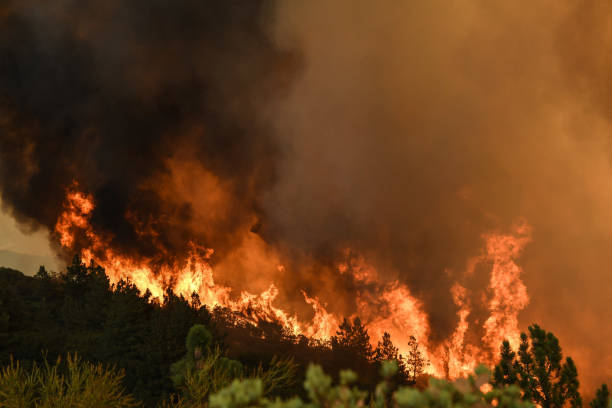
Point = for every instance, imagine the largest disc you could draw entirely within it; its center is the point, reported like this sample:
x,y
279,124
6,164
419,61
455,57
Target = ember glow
x,y
383,306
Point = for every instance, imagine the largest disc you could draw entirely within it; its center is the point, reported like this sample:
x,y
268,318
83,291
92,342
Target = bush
x,y
73,383
323,393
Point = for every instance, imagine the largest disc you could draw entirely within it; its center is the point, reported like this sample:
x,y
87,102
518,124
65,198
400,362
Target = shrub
x,y
323,393
73,383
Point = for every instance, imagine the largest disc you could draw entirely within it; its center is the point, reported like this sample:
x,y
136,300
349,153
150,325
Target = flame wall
x,y
417,145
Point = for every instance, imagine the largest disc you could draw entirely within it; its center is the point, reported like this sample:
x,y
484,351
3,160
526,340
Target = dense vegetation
x,y
73,339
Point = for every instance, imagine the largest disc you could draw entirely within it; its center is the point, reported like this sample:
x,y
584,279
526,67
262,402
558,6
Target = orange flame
x,y
509,293
383,307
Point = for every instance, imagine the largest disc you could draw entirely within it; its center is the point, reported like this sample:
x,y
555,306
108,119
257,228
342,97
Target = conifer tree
x,y
602,398
353,337
539,370
386,351
415,361
504,373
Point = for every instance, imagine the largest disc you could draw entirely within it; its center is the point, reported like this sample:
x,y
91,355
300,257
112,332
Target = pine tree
x,y
415,361
569,385
504,373
539,370
353,337
42,273
602,398
386,351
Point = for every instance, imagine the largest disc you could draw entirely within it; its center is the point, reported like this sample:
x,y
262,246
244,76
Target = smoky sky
x,y
402,130
415,127
105,93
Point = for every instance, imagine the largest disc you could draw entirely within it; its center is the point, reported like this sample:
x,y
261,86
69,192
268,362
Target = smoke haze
x,y
284,133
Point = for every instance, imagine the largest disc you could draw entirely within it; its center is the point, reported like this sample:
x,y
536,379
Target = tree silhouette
x,y
197,343
539,370
415,361
505,373
602,398
353,337
386,351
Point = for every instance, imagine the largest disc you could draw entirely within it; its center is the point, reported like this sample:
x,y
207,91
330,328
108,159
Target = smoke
x,y
285,133
131,100
416,127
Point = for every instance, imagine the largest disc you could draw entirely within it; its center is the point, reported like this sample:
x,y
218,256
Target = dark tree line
x,y
50,315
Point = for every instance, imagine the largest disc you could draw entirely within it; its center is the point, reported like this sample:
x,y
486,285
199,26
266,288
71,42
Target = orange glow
x,y
382,306
508,293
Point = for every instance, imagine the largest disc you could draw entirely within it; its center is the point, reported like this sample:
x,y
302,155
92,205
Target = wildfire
x,y
382,306
509,293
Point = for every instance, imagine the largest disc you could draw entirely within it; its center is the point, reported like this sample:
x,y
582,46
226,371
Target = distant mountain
x,y
27,263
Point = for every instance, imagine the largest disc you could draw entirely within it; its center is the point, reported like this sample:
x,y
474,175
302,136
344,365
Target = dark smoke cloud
x,y
105,93
402,130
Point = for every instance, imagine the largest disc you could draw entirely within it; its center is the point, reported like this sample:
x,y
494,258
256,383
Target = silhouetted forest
x,y
49,315
179,353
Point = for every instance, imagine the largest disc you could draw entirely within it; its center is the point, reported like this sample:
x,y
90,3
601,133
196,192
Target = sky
x,y
22,250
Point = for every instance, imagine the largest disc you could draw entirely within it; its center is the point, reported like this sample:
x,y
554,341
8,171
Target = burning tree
x,y
415,361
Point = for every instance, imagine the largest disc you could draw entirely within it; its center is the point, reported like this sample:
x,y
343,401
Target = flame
x,y
458,357
383,306
509,293
78,207
324,324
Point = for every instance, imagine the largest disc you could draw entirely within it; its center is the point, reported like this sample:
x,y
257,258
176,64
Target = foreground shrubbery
x,y
69,383
177,353
204,370
323,393
75,383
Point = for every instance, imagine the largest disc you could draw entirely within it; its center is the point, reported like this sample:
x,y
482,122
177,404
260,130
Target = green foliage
x,y
539,370
321,392
279,374
203,371
73,383
197,357
198,339
79,311
602,398
117,325
199,374
216,374
211,373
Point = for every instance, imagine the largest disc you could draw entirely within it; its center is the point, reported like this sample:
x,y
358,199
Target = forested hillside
x,y
58,327
79,311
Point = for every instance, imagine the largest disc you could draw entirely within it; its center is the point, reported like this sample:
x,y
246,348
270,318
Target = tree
x,y
42,273
353,337
415,361
602,398
539,370
504,373
197,343
386,351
